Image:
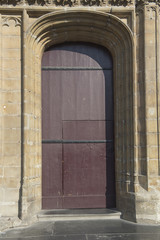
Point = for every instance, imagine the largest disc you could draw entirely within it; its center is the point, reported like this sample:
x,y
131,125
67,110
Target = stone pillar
x,y
148,195
31,179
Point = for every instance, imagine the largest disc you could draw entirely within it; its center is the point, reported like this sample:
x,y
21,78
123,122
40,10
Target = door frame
x,y
77,25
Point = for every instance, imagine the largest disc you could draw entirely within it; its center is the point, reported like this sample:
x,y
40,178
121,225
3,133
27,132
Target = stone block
x,y
150,85
152,139
149,27
12,149
150,64
150,41
154,183
2,194
12,122
150,53
12,172
151,112
152,126
11,83
153,152
1,171
9,209
12,30
11,135
11,194
8,64
12,73
11,97
12,161
11,53
11,108
1,156
11,42
151,76
153,167
11,182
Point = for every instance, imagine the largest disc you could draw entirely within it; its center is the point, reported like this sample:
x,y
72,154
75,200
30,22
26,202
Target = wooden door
x,y
77,127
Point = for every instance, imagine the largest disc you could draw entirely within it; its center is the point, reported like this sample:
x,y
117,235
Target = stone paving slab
x,y
92,237
124,237
84,230
37,229
102,226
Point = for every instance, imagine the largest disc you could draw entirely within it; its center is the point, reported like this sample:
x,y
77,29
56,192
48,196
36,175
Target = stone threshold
x,y
77,214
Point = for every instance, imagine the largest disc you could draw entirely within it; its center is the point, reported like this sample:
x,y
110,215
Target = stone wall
x,y
131,31
10,92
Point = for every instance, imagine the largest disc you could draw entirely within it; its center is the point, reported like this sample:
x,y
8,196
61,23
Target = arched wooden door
x,y
77,127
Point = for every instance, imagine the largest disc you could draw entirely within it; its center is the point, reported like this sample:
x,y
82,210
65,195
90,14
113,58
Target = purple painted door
x,y
77,127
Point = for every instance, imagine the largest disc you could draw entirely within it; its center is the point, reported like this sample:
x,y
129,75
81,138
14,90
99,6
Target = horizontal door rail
x,y
72,68
76,141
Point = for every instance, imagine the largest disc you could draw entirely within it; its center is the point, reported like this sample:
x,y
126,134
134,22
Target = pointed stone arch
x,y
86,26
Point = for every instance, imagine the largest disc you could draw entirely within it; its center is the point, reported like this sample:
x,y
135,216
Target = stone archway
x,y
86,26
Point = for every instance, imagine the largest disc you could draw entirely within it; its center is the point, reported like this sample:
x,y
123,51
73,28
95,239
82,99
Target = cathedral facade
x,y
129,32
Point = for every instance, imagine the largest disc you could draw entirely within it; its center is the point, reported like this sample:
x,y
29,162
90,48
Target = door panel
x,y
77,127
84,164
52,159
51,113
83,95
84,130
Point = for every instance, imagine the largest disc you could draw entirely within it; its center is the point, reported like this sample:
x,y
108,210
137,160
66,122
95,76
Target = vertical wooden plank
x,y
52,175
51,105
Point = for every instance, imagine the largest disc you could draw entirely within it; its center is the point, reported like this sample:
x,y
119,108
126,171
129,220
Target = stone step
x,y
78,214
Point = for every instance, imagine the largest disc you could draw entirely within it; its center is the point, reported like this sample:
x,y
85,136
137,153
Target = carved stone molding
x,y
29,2
11,2
121,2
65,2
150,6
78,2
6,21
147,1
38,2
92,2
